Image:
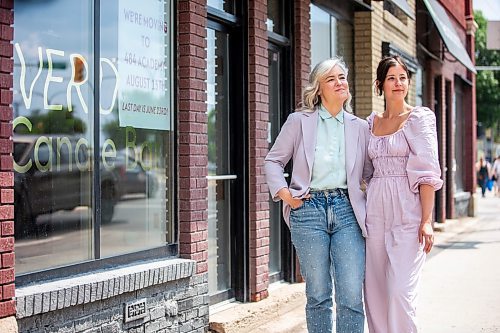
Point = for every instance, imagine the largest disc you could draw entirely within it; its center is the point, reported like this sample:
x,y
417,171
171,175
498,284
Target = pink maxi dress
x,y
394,258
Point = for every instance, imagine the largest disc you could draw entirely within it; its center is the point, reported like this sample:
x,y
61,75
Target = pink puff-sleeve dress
x,y
394,258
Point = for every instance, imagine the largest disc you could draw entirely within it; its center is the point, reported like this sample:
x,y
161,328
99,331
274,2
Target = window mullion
x,y
96,198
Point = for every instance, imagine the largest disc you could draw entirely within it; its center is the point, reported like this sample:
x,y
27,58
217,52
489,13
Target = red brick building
x,y
445,36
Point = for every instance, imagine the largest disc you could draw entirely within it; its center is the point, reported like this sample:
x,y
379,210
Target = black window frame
x,y
169,250
238,31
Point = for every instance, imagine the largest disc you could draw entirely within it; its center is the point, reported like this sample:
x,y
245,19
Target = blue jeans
x,y
329,243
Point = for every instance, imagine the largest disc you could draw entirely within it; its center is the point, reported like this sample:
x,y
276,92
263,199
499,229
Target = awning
x,y
403,5
448,33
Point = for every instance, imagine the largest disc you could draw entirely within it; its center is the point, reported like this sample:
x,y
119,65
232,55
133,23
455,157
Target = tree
x,y
487,82
54,122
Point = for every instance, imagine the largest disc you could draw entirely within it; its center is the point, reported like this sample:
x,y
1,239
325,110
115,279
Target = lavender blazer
x,y
297,141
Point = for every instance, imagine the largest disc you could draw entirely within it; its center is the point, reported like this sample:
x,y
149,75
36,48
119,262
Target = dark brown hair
x,y
383,68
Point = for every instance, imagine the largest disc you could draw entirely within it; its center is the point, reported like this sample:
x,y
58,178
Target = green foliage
x,y
487,82
112,130
54,122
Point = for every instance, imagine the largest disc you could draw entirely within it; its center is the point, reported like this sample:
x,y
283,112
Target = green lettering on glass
x,y
111,152
51,78
48,141
26,122
115,91
146,154
130,138
22,78
60,142
86,165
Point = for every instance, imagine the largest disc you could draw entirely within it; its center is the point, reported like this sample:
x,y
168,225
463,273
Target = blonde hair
x,y
310,96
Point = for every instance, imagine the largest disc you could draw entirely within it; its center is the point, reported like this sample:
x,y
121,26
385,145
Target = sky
x,y
490,8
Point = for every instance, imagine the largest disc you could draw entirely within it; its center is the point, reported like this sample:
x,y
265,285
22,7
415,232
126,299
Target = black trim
x,y
388,49
221,297
361,6
96,174
464,80
222,17
287,79
238,105
238,150
277,39
175,137
170,250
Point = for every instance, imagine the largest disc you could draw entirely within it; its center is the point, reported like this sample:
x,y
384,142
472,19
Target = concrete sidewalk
x,y
283,311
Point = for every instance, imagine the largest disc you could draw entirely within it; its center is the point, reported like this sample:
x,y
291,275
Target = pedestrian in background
x,y
324,204
400,199
483,174
496,175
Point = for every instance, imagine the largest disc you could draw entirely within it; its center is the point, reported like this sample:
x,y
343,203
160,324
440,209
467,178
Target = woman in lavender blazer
x,y
324,205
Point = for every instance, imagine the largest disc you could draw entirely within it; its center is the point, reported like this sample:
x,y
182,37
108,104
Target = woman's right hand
x,y
286,196
295,203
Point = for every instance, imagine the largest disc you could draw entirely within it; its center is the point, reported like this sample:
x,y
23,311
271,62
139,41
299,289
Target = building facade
x,y
132,140
445,37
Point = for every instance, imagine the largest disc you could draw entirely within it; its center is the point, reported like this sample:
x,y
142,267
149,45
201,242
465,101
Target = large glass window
x,y
330,37
219,178
93,178
224,5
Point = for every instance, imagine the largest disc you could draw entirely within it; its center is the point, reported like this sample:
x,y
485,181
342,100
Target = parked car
x,y
54,174
134,179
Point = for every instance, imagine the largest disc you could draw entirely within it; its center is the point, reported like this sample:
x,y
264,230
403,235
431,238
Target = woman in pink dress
x,y
400,199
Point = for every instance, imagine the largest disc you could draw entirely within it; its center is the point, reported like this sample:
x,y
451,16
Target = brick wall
x,y
7,289
370,30
441,129
302,47
470,117
192,140
175,301
302,65
258,105
456,10
363,58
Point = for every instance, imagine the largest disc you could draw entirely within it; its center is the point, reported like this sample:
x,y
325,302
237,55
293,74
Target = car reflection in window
x,y
135,179
56,177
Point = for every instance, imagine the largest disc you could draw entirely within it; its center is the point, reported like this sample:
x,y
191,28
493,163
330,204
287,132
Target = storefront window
x,y
321,36
275,16
224,5
331,37
58,136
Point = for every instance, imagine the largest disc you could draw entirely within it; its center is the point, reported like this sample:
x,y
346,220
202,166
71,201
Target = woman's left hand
x,y
426,236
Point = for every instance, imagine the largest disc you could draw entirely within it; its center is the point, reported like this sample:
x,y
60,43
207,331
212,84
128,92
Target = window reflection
x,y
331,37
54,132
52,138
275,16
224,5
219,231
141,145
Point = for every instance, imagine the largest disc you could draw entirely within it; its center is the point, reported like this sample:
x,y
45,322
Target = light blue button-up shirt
x,y
329,170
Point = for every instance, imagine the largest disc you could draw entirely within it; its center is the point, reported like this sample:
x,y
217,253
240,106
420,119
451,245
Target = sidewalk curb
x,y
444,233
